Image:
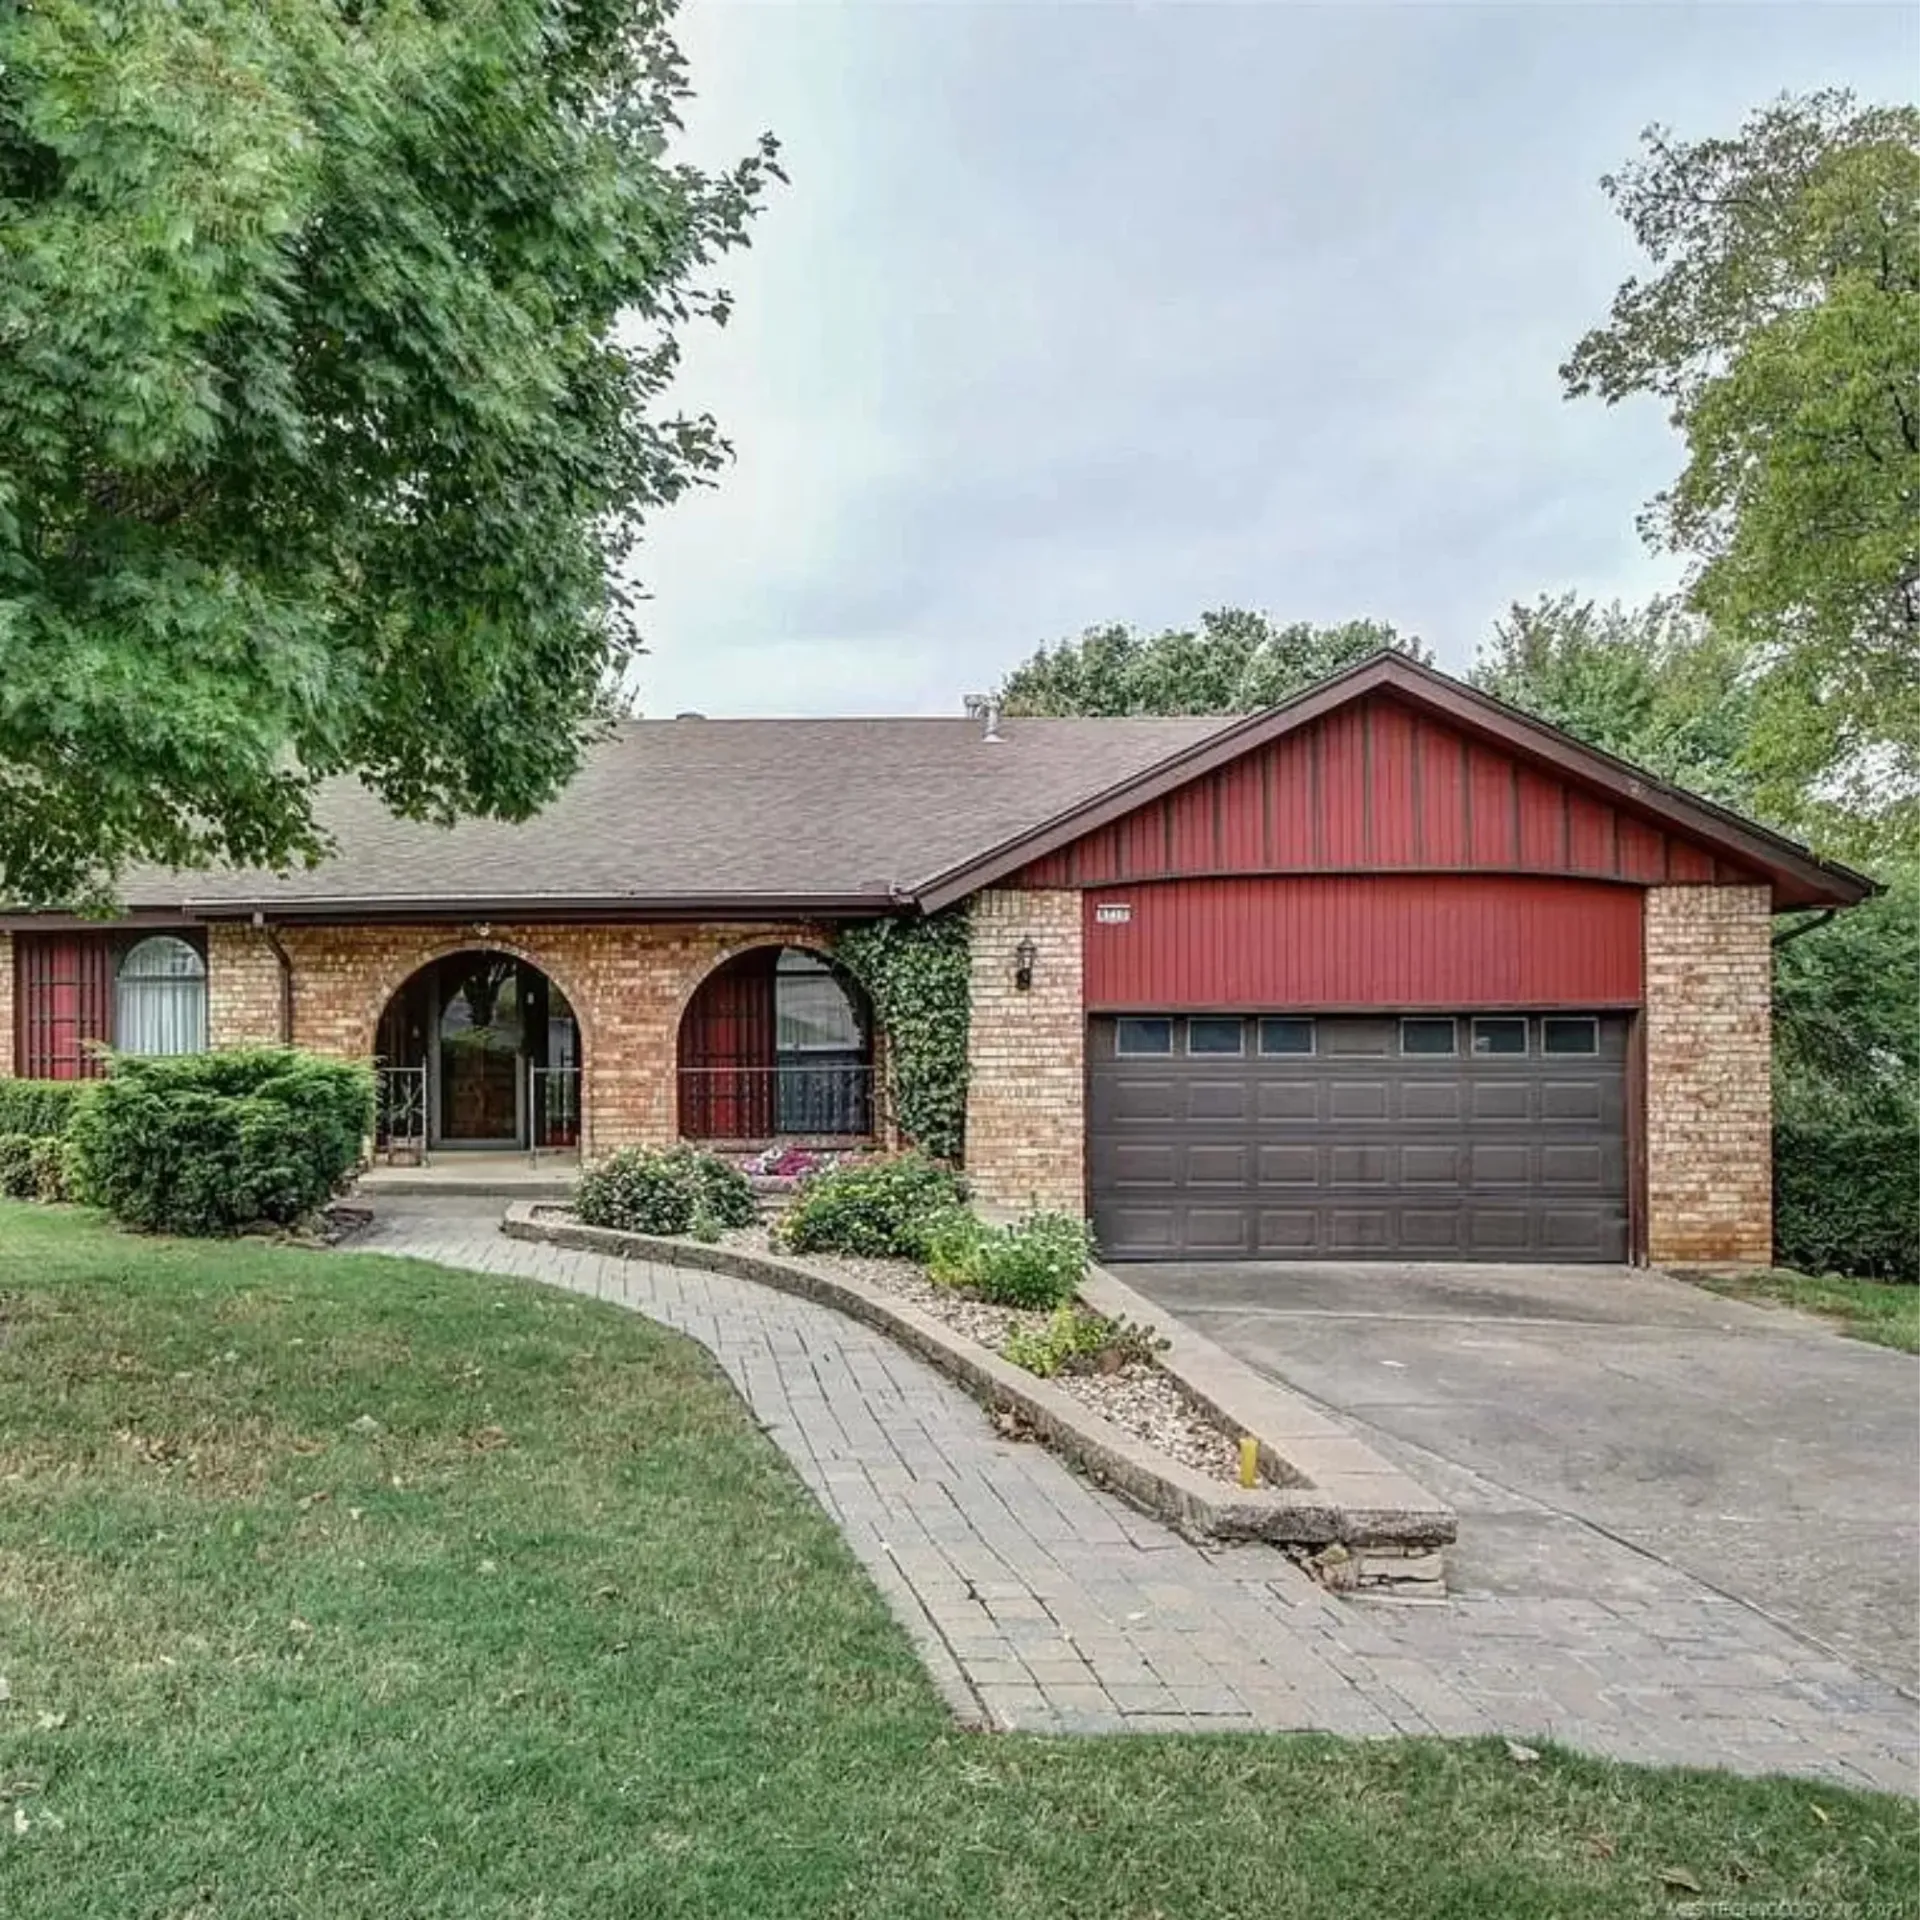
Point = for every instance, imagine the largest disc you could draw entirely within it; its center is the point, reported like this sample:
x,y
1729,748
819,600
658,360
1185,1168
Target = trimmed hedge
x,y
211,1143
1846,1185
664,1190
40,1108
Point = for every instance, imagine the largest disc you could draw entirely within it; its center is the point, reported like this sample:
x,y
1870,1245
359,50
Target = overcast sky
x,y
1098,311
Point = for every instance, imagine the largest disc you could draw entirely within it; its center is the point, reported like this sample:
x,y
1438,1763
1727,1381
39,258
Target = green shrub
x,y
881,1208
41,1108
1845,1197
18,1180
1038,1263
664,1190
1077,1340
950,1247
211,1143
50,1162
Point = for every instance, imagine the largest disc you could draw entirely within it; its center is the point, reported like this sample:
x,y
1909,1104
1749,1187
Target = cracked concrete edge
x,y
1379,1509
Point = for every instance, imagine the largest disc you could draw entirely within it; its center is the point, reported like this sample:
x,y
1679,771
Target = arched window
x,y
160,998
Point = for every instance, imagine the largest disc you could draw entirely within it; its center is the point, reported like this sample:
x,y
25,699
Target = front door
x,y
482,1048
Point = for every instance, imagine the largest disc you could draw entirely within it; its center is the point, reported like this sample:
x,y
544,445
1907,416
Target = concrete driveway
x,y
1589,1421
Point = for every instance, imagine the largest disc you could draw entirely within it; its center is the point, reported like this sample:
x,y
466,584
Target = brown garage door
x,y
1459,1137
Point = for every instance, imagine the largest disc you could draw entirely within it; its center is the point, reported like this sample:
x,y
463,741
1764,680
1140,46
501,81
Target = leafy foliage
x,y
211,1143
50,1163
330,407
1038,1262
1076,1340
1846,996
18,1179
916,974
1234,662
39,1107
664,1190
1783,327
1846,1197
880,1208
1650,683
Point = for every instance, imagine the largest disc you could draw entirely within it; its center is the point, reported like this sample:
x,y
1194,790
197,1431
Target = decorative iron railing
x,y
553,1109
829,1101
400,1112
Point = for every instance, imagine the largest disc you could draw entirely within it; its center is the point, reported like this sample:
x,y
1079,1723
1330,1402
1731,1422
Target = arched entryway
x,y
479,1049
777,1044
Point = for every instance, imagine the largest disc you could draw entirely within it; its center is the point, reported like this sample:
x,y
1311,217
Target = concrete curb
x,y
1339,1492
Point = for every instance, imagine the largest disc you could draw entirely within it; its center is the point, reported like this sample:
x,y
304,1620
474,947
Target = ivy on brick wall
x,y
915,973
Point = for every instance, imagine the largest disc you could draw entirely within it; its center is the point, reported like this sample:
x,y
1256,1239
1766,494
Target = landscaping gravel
x,y
1140,1398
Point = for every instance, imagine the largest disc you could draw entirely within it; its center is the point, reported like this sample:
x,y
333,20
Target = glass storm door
x,y
482,1047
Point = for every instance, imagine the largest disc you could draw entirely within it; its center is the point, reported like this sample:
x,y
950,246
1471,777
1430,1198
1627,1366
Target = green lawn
x,y
1882,1311
338,1586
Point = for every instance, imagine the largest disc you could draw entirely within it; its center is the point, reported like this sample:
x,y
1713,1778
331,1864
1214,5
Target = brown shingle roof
x,y
683,813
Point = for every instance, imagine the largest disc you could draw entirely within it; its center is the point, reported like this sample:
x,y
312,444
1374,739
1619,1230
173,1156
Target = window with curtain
x,y
160,998
812,1011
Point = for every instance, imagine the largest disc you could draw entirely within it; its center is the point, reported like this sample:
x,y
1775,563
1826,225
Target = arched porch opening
x,y
776,1045
478,1049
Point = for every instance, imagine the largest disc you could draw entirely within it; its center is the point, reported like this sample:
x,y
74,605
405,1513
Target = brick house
x,y
1389,969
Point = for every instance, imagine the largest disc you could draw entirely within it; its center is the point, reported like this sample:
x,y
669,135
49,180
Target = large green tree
x,y
1651,683
1233,662
333,340
1781,324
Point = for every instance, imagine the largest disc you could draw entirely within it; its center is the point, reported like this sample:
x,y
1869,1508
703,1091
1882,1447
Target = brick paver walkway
x,y
1041,1603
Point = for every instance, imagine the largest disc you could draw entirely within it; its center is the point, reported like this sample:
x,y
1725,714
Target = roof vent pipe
x,y
985,707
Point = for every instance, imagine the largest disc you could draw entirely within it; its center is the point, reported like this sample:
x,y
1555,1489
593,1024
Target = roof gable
x,y
1393,766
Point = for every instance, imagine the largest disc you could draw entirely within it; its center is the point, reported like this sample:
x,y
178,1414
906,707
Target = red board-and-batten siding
x,y
1374,858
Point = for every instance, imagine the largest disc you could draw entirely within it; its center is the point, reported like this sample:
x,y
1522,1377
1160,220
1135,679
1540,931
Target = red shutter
x,y
64,995
726,1053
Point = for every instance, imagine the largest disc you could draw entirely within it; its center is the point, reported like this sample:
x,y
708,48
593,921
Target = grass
x,y
344,1587
1883,1311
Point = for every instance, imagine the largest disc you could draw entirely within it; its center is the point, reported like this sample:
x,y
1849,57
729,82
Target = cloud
x,y
1084,312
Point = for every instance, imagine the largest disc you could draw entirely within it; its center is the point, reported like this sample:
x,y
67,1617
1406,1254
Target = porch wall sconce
x,y
1024,956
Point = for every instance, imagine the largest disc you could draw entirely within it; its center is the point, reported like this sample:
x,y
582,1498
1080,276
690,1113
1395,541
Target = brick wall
x,y
628,986
1026,1094
6,1003
244,1003
1709,1092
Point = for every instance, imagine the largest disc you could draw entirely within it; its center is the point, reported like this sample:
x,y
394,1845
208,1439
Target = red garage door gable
x,y
1377,786
1382,940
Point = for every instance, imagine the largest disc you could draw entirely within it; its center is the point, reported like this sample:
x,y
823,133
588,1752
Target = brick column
x,y
6,1004
243,988
1709,981
1026,1055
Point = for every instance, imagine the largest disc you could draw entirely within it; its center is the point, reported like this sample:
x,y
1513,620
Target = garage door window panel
x,y
1499,1035
1434,1039
1142,1039
1560,1035
1286,1037
1216,1039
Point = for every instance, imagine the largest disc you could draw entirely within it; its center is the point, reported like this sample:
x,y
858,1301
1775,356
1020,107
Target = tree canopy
x,y
1233,662
1782,325
1652,684
333,339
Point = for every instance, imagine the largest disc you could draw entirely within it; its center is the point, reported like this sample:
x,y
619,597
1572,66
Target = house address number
x,y
1113,913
